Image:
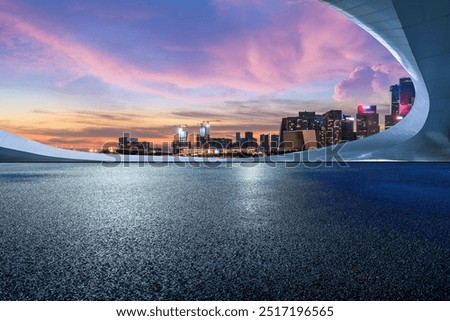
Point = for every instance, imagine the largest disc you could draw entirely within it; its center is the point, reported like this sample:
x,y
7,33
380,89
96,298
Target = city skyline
x,y
79,74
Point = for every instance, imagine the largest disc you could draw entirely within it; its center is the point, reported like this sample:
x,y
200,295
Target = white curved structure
x,y
18,149
416,32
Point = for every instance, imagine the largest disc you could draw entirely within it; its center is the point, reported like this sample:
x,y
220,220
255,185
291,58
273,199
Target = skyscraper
x,y
367,121
310,121
347,124
264,142
393,118
331,132
305,121
395,99
204,134
274,142
402,99
180,139
289,124
249,140
194,140
407,95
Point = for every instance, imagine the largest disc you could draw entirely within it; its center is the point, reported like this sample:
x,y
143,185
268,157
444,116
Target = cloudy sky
x,y
79,73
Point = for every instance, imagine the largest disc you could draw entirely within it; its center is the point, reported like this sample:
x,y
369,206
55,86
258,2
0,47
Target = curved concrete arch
x,y
416,32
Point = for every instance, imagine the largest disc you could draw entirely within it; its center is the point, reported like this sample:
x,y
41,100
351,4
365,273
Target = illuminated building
x,y
308,120
347,125
395,99
402,99
180,140
204,134
331,132
367,121
288,124
407,95
304,121
393,118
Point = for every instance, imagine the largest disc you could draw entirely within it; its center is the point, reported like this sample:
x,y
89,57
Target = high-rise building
x,y
347,125
331,132
180,139
310,121
407,95
264,142
289,124
204,135
402,99
249,141
395,99
194,140
367,121
305,121
274,142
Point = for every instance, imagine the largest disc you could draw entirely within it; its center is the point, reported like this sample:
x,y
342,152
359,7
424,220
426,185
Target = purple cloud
x,y
368,83
169,50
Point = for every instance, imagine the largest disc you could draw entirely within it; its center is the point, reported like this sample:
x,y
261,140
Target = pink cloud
x,y
82,60
368,83
319,46
288,52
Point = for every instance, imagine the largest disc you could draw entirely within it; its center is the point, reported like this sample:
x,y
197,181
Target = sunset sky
x,y
79,73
